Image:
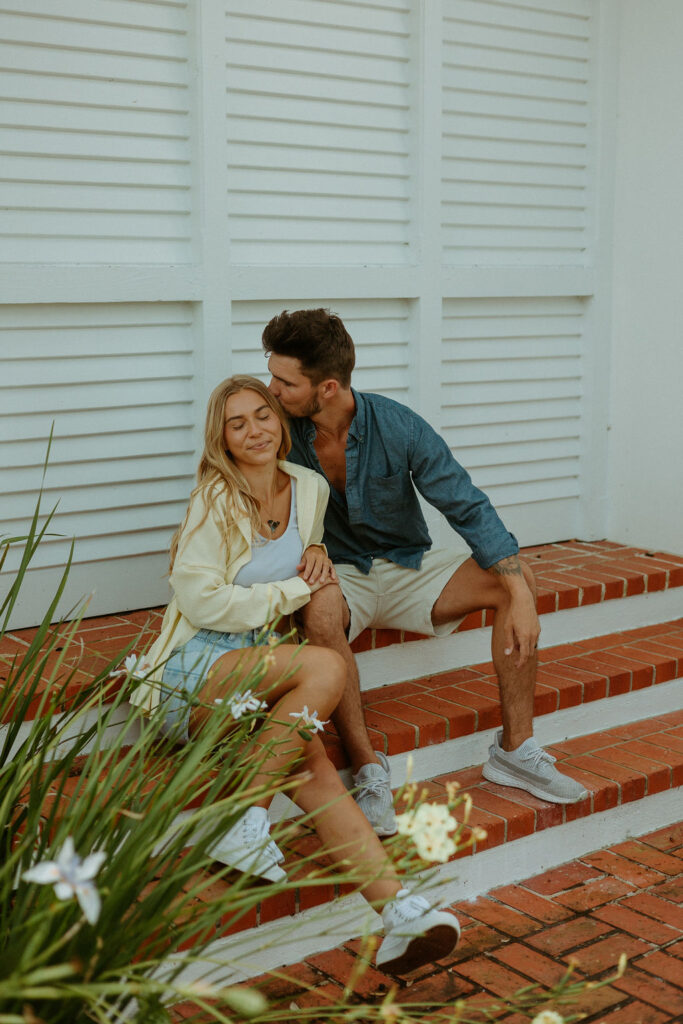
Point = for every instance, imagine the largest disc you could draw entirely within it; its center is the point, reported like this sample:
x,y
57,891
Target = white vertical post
x,y
597,354
214,351
427,322
427,194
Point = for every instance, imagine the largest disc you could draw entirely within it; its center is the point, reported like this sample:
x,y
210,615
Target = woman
x,y
249,551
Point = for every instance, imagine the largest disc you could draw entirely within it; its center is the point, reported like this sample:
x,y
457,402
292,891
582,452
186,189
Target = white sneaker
x,y
374,797
247,847
415,934
531,768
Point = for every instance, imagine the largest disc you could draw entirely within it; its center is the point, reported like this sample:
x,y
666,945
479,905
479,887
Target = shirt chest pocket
x,y
388,495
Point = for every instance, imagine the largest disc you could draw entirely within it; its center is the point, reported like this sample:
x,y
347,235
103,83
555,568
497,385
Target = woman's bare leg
x,y
343,829
315,677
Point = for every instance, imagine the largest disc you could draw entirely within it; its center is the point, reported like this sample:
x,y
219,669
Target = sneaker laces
x,y
373,785
538,757
407,906
254,830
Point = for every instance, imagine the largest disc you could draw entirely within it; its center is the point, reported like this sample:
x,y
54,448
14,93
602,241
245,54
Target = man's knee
x,y
325,614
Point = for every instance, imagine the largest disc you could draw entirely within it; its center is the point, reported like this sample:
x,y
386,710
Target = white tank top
x,y
274,559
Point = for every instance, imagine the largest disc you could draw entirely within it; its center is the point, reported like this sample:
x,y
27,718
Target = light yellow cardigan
x,y
203,574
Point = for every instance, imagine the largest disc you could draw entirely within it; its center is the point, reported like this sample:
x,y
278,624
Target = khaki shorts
x,y
393,597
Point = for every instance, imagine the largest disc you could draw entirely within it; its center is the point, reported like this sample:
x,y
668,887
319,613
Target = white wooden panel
x,y
118,383
382,331
511,402
95,144
516,159
319,131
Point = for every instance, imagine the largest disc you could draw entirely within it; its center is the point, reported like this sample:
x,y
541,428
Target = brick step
x,y
570,575
625,898
437,708
624,770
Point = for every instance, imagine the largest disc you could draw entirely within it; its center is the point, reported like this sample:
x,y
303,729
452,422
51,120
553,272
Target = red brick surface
x,y
528,934
569,574
607,882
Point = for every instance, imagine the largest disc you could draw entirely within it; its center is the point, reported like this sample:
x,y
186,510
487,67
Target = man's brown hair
x,y
317,338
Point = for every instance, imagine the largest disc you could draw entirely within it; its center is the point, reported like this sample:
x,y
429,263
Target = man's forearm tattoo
x,y
508,566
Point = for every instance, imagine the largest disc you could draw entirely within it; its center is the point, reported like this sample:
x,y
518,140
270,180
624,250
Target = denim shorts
x,y
186,669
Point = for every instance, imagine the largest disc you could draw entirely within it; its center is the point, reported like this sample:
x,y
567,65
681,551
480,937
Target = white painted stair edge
x,y
289,940
400,662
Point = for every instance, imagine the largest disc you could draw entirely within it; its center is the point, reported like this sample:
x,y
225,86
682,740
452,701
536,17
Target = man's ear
x,y
329,388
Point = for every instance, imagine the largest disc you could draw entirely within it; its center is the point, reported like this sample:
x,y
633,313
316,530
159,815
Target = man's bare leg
x,y
472,588
325,619
515,759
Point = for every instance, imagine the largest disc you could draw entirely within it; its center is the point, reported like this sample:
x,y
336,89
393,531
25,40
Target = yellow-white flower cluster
x,y
430,826
548,1017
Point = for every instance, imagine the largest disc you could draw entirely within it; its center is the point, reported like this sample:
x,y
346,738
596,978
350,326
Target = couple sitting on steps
x,y
251,549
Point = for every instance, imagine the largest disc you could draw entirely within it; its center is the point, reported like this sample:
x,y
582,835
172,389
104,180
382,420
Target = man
x,y
374,452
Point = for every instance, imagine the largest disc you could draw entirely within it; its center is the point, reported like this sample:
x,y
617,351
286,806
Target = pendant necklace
x,y
273,524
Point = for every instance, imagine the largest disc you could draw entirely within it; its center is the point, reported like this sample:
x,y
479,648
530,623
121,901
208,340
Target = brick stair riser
x,y
408,660
585,589
456,706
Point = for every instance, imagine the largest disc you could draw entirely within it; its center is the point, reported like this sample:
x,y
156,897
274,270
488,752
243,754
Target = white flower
x,y
406,823
309,719
241,703
548,1017
434,845
135,666
71,877
435,816
429,825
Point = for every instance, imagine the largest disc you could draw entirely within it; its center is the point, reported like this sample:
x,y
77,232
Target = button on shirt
x,y
388,450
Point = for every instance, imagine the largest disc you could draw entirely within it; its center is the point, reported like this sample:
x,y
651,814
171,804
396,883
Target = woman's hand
x,y
315,568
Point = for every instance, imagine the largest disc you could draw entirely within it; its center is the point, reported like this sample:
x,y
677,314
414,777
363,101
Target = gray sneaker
x,y
247,847
374,797
415,934
529,767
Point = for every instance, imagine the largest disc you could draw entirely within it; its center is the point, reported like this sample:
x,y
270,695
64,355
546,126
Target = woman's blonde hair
x,y
217,471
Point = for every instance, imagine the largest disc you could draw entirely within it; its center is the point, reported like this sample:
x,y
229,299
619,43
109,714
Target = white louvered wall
x,y
96,149
512,404
319,130
172,172
118,386
516,94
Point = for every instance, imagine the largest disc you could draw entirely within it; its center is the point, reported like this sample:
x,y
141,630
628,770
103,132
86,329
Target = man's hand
x,y
521,626
315,568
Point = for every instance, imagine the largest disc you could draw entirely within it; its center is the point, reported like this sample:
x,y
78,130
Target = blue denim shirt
x,y
388,450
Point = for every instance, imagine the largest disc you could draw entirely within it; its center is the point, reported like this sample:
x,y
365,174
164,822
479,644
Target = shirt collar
x,y
357,428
